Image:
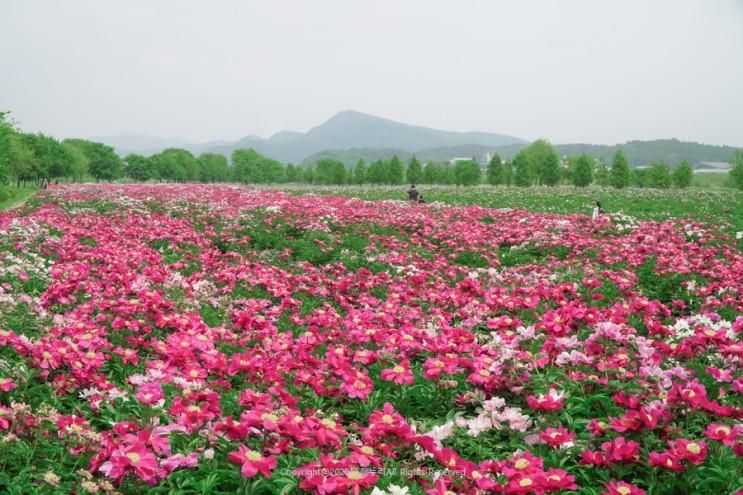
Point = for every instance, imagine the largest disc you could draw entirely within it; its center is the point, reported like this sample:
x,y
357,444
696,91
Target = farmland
x,y
188,338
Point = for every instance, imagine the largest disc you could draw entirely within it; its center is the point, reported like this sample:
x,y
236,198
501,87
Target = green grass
x,y
721,206
711,179
14,196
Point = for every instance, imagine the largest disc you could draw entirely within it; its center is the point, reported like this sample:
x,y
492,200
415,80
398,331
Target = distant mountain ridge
x,y
347,129
350,135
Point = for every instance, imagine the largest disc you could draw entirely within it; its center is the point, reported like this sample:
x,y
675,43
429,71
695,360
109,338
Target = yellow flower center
x,y
694,448
354,475
133,457
521,464
387,419
623,490
253,456
526,482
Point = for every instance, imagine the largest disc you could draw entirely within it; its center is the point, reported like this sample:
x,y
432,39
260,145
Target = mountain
x,y
350,129
345,130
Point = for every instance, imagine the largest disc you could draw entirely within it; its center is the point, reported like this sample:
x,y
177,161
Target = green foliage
x,y
619,176
496,171
359,173
17,160
175,164
329,171
544,162
249,166
682,175
395,172
79,163
736,172
414,173
467,173
508,173
583,173
293,173
103,162
523,172
213,167
376,173
51,158
139,168
10,195
601,174
659,176
437,173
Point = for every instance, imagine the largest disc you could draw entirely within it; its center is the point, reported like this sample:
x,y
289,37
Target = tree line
x,y
31,158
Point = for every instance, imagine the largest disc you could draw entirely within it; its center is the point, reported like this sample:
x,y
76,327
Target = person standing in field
x,y
597,210
413,194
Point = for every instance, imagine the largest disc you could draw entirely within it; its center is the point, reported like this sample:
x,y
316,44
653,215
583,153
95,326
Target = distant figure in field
x,y
45,184
597,210
412,194
421,200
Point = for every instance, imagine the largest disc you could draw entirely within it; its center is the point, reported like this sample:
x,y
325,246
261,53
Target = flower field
x,y
196,339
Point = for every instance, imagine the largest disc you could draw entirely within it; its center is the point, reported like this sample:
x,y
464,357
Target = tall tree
x,y
17,159
602,174
544,162
523,174
22,161
639,177
246,166
330,171
6,131
508,173
176,164
377,173
139,168
359,173
214,167
467,173
395,173
52,159
659,176
103,162
682,175
736,170
431,173
496,171
292,173
619,175
308,175
414,174
79,163
583,172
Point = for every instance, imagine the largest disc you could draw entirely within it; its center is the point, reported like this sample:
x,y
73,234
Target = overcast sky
x,y
569,70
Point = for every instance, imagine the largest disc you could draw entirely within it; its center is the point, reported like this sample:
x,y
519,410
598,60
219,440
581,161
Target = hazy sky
x,y
569,70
